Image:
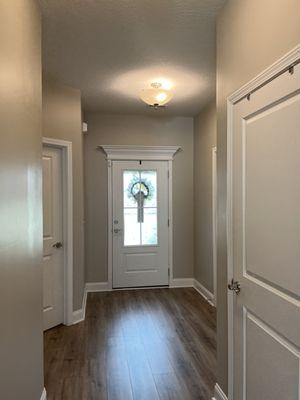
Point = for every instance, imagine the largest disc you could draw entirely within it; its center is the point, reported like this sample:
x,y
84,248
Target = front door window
x,y
140,208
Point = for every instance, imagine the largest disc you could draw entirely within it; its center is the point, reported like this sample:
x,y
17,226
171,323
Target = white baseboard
x,y
79,315
182,282
204,292
191,282
219,394
97,287
44,395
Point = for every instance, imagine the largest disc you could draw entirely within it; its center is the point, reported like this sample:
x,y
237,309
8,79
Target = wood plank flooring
x,y
153,344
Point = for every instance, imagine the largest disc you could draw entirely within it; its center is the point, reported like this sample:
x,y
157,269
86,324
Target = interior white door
x,y
140,223
266,241
53,255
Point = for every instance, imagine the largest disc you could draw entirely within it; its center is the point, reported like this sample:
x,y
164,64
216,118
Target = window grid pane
x,y
140,208
149,227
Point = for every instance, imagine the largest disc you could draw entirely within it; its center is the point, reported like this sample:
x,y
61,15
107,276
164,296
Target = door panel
x,y
269,352
272,164
266,244
140,223
140,261
53,273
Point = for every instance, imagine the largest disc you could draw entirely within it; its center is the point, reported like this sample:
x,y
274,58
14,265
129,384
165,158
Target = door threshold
x,y
142,287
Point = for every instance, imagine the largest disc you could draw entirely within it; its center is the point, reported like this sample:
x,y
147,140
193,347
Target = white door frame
x,y
136,153
263,78
66,148
214,220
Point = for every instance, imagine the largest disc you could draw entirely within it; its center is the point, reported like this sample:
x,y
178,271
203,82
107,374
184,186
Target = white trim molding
x,y
44,395
219,394
97,287
181,283
66,148
261,79
79,315
266,75
109,225
214,220
146,153
170,211
208,296
191,282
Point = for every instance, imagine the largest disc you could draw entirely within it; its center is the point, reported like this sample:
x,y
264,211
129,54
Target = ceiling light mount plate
x,y
156,106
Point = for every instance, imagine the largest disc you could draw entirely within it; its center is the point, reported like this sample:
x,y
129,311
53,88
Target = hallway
x,y
138,344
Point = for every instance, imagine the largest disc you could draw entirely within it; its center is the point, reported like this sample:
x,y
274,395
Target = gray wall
x,y
205,132
139,130
62,120
251,35
21,344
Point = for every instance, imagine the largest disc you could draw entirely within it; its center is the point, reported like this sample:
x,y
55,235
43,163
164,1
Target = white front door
x,y
53,255
266,241
140,223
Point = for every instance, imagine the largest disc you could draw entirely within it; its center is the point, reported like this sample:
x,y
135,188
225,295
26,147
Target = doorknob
x,y
117,230
58,245
235,286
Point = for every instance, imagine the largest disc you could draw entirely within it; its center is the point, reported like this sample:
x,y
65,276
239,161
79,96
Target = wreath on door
x,y
139,191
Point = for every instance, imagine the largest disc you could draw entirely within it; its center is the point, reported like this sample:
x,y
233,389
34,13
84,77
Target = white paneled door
x,y
140,223
53,255
266,241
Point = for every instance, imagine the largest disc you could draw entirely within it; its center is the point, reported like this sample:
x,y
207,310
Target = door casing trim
x,y
44,395
136,153
256,82
219,394
66,148
214,220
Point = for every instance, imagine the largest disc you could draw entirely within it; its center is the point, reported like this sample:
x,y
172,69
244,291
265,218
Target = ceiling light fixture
x,y
156,97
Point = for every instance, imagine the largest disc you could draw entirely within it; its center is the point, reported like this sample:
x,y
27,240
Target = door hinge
x,y
168,174
169,272
168,222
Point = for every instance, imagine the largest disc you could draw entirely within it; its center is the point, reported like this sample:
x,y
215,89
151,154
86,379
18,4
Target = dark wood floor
x,y
135,345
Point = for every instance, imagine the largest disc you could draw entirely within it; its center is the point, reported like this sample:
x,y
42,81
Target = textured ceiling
x,y
111,50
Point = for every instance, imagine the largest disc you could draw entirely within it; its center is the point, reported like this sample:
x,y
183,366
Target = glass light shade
x,y
156,96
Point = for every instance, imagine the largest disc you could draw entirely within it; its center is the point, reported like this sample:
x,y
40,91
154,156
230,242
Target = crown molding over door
x,y
147,153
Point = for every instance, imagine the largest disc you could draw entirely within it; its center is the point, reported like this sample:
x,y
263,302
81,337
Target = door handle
x,y
58,245
235,286
117,230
